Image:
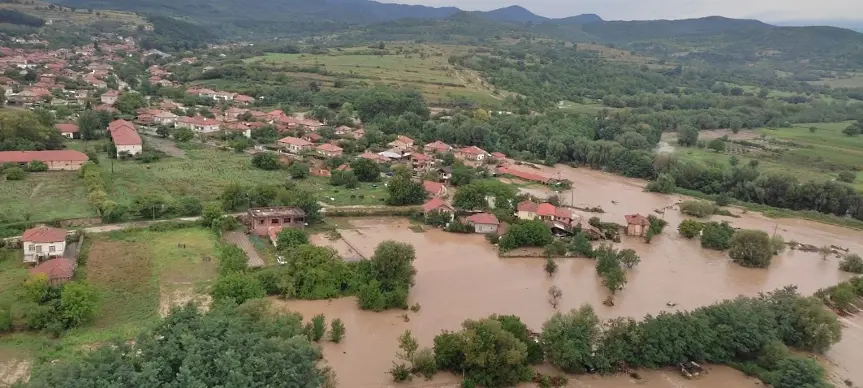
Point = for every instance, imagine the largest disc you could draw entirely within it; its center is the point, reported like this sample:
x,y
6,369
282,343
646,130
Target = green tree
x,y
664,183
461,174
78,302
717,236
568,339
403,190
717,145
366,170
751,248
163,131
237,287
798,372
289,238
337,330
847,176
266,161
210,214
629,258
485,352
298,170
687,135
527,234
129,102
842,296
319,327
689,228
852,263
183,135
232,259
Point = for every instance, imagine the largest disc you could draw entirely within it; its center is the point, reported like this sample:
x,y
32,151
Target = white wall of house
x,y
484,228
525,215
33,251
130,149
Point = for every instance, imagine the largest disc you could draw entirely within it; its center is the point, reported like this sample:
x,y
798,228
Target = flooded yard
x,y
461,277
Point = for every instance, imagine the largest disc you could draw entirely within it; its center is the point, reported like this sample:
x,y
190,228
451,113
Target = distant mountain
x,y
512,13
580,19
856,25
627,31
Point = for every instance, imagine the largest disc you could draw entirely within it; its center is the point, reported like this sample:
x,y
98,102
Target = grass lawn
x,y
589,108
12,274
340,196
420,66
44,196
135,273
855,80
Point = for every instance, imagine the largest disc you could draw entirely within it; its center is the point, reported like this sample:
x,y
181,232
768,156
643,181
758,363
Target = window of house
x,y
287,220
261,222
51,248
39,248
32,248
275,221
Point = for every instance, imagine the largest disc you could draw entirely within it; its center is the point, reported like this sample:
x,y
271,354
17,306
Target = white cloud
x,y
773,10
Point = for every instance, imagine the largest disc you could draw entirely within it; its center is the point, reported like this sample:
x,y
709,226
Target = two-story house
x,y
295,145
43,242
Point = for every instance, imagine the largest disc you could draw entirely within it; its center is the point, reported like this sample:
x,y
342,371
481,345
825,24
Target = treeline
x,y
12,16
170,34
751,334
24,131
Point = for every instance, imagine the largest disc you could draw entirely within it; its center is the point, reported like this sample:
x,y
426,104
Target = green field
x,y
422,67
854,80
135,273
44,196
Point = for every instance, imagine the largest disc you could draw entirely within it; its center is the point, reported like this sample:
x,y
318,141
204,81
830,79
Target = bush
x,y
424,363
717,236
698,209
337,330
298,170
15,173
664,183
852,263
751,248
37,166
319,327
844,176
528,234
266,161
690,228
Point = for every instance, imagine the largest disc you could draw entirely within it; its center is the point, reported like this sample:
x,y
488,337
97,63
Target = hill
x,y
513,13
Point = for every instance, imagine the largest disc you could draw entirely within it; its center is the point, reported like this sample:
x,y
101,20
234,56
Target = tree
x,y
629,258
298,170
485,352
461,174
237,287
315,273
842,296
852,263
337,330
403,190
289,238
690,228
210,214
847,176
89,125
232,259
366,170
550,266
129,102
716,236
319,327
184,348
852,130
717,145
687,135
527,234
183,135
266,161
554,295
824,251
664,183
568,339
163,131
798,372
751,248
697,208
78,302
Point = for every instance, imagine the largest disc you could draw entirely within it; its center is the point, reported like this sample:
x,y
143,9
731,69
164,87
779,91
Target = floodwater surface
x,y
461,277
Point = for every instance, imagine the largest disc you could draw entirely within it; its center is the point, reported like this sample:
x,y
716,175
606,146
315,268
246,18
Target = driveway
x,y
241,240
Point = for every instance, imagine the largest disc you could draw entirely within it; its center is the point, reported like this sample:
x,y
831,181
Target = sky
x,y
767,10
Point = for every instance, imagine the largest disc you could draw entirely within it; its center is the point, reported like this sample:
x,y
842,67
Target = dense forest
x,y
11,16
171,34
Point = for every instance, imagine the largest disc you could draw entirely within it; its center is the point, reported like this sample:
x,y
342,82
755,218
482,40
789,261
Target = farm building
x,y
56,160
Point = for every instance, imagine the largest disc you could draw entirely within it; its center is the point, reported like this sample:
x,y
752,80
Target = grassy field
x,y
423,67
854,80
589,108
137,276
819,155
79,16
44,196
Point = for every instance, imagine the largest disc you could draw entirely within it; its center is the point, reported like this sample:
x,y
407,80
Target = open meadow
x,y
43,197
423,67
138,276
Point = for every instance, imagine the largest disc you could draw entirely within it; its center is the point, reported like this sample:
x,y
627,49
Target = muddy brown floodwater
x,y
461,277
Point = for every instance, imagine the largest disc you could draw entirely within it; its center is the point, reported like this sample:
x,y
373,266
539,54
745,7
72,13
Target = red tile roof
x,y
405,139
66,128
483,218
432,187
124,133
327,147
55,269
439,146
637,219
473,150
498,155
434,204
546,209
44,234
529,176
198,120
42,156
294,141
420,157
527,206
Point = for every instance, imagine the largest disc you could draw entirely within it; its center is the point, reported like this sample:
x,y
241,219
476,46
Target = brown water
x,y
460,277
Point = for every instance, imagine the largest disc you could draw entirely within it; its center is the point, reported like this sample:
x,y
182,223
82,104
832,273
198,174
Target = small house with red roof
x,y
342,130
125,138
198,124
43,242
421,162
636,225
312,137
68,130
402,143
295,145
529,210
110,97
56,160
437,205
471,153
484,223
437,147
57,271
435,189
328,150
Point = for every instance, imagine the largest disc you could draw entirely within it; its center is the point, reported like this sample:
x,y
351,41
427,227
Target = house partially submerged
x,y
529,210
437,205
484,223
637,225
259,220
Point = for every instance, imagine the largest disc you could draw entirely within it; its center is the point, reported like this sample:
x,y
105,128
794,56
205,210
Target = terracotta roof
x,y
439,145
312,137
294,141
124,133
483,218
527,206
432,187
524,175
546,209
327,147
42,156
473,150
55,269
198,120
560,212
435,203
636,219
44,234
498,155
66,128
422,157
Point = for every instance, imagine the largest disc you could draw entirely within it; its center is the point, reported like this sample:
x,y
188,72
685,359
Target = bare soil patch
x,y
165,145
12,371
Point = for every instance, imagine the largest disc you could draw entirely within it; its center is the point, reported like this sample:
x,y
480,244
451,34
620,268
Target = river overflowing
x,y
461,277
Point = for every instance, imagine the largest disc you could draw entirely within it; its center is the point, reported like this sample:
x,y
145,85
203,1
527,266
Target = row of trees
x,y
751,333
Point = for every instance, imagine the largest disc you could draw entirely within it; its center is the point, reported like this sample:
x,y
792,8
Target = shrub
x,y
844,176
690,228
15,173
698,209
852,263
319,327
37,166
717,236
424,363
664,183
337,330
751,248
266,161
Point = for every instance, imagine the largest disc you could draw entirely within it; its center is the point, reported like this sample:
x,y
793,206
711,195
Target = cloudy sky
x,y
771,10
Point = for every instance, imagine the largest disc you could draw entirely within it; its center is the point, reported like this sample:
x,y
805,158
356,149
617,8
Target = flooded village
x,y
461,276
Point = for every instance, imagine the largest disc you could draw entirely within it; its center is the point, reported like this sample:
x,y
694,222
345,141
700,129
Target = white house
x,y
110,97
484,223
165,118
198,124
43,243
125,138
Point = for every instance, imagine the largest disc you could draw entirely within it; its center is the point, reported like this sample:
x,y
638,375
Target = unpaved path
x,y
242,240
12,371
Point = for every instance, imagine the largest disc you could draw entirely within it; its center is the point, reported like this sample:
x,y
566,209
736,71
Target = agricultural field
x,y
820,155
423,67
588,108
43,197
138,275
78,16
853,80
